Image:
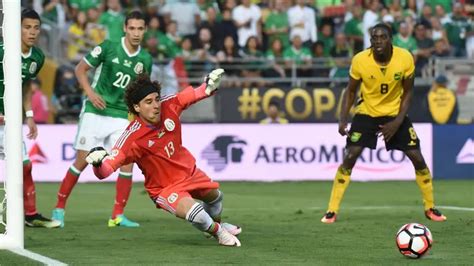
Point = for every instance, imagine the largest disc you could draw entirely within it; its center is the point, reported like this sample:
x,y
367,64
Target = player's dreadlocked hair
x,y
135,14
29,13
139,89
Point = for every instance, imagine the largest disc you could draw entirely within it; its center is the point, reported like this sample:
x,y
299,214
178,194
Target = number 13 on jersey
x,y
169,149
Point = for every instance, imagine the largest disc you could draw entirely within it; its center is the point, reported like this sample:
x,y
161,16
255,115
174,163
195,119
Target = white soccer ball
x,y
414,240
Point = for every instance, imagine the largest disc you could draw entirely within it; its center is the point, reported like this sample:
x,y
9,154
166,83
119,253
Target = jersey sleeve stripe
x,y
87,62
127,134
167,97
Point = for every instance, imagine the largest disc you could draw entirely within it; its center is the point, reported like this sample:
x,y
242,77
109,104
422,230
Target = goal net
x,y
11,180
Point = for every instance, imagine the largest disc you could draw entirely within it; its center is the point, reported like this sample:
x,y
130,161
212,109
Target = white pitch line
x,y
457,208
37,257
362,208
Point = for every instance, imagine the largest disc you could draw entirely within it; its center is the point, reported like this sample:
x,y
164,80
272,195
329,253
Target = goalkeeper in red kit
x,y
153,141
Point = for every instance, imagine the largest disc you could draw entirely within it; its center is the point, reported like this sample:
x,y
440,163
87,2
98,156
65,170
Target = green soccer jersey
x,y
113,22
299,56
31,64
405,43
115,69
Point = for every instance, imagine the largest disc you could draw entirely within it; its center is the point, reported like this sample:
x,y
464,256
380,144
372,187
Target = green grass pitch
x,y
280,222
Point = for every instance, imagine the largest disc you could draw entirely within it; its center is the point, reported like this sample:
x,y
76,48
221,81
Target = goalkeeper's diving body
x,y
153,141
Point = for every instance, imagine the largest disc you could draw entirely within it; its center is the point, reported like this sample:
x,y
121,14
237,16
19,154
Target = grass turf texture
x,y
280,222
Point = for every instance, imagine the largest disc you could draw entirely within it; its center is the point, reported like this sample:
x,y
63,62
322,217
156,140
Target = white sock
x,y
199,217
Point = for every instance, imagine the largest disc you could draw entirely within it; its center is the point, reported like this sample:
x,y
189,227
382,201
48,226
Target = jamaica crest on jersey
x,y
138,68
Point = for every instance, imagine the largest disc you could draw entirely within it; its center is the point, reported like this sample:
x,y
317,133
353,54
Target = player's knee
x,y
214,207
198,217
350,158
417,160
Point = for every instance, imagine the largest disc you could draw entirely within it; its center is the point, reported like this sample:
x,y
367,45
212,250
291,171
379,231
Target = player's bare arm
x,y
81,74
348,99
389,129
30,122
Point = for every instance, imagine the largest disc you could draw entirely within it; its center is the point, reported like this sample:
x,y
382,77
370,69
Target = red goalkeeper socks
x,y
122,190
69,181
29,193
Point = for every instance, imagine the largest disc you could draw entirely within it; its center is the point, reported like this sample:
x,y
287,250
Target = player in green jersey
x,y
32,59
105,115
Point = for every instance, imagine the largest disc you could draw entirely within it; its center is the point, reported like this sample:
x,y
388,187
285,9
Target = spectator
x,y
458,29
318,50
253,63
77,38
157,43
275,55
94,30
211,24
39,103
327,38
404,39
444,4
341,55
425,47
426,15
302,20
227,58
353,29
470,38
299,55
247,19
442,102
56,12
205,50
187,52
83,5
276,24
441,15
274,116
113,20
437,31
172,32
370,18
186,14
204,6
226,27
440,49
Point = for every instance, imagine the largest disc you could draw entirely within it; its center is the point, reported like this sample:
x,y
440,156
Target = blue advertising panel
x,y
453,151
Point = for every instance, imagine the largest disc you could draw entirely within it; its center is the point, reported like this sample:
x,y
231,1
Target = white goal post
x,y
13,237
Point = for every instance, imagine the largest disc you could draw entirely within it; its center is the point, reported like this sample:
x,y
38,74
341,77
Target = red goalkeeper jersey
x,y
157,149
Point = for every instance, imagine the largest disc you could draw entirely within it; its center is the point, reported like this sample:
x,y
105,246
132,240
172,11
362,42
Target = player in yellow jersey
x,y
385,74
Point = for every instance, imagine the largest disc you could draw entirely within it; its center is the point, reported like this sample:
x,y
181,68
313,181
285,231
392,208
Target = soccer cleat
x,y
58,215
329,218
38,220
232,229
227,239
122,221
435,215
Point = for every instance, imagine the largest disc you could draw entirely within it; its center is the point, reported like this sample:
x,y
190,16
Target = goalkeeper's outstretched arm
x,y
211,84
98,158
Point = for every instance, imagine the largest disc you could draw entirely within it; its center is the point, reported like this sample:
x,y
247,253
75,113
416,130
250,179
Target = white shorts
x,y
98,130
2,145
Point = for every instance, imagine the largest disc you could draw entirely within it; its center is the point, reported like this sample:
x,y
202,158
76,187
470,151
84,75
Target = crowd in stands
x,y
269,37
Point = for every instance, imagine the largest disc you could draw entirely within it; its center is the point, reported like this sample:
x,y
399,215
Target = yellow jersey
x,y
381,88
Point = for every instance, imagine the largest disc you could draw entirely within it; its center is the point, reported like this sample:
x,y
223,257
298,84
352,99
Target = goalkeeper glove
x,y
96,156
213,80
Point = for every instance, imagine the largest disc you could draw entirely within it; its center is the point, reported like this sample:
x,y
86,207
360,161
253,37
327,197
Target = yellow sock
x,y
341,181
425,183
